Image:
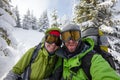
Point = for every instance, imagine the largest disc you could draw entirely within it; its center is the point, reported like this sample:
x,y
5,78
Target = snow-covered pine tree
x,y
54,16
34,22
100,13
26,22
29,21
63,20
43,22
6,6
104,14
7,21
16,12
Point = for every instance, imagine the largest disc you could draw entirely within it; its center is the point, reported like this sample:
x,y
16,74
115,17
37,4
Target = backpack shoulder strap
x,y
86,63
35,53
109,58
28,68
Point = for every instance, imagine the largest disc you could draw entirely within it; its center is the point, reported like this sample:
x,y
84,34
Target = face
x,y
71,45
51,47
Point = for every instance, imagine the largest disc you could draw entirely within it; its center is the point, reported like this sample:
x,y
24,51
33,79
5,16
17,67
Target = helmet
x,y
56,32
71,31
68,27
48,31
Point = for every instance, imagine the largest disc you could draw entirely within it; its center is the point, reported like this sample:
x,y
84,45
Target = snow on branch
x,y
115,22
106,4
86,24
107,29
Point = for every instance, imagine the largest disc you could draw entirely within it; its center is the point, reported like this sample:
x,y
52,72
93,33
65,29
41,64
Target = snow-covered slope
x,y
25,40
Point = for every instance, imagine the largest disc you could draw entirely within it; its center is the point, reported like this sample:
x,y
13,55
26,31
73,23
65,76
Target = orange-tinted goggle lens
x,y
67,35
51,39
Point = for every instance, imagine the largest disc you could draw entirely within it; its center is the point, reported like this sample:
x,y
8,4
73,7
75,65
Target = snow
x,y
30,38
9,18
25,40
22,40
115,54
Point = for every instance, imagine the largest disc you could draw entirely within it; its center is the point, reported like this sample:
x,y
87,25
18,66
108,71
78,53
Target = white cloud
x,y
37,6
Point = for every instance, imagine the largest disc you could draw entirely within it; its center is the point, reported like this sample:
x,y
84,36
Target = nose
x,y
71,40
53,44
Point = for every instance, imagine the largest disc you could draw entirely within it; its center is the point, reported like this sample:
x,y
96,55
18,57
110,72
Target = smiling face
x,y
71,45
51,47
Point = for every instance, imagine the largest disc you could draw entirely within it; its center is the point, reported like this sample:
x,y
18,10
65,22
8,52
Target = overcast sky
x,y
37,6
64,7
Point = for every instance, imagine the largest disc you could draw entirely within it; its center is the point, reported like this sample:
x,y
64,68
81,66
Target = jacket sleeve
x,y
11,76
23,62
101,70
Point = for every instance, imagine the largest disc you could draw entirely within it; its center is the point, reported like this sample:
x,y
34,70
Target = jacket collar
x,y
84,47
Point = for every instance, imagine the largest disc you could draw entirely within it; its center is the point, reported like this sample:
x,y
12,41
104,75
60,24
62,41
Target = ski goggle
x,y
70,35
51,39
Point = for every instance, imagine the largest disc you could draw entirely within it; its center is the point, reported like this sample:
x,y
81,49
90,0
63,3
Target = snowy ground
x,y
25,40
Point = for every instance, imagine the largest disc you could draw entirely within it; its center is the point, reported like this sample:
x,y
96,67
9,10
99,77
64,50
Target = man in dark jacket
x,y
74,49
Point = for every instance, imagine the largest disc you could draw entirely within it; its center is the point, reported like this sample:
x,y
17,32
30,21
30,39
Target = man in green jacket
x,y
74,49
45,61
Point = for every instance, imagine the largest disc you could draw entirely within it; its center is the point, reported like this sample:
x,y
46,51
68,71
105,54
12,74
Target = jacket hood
x,y
89,42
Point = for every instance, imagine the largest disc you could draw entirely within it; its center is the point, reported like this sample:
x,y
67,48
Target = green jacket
x,y
42,66
100,69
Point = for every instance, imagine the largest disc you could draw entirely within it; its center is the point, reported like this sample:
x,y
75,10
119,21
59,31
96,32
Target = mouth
x,y
71,45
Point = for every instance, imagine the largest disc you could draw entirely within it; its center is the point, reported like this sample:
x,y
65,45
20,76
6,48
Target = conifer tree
x,y
29,21
43,22
34,22
64,20
54,17
26,23
103,14
18,23
7,21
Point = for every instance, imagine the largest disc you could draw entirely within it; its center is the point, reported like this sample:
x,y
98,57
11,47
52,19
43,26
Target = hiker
x,y
74,51
45,61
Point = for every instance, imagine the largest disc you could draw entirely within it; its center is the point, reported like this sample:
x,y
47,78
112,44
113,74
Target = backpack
x,y
101,47
100,40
